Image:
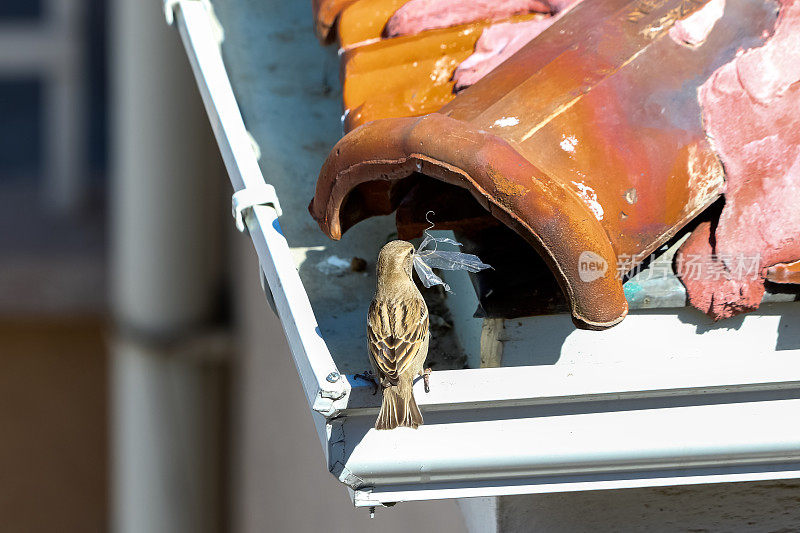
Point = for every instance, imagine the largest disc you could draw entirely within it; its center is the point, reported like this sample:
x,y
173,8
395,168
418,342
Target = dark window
x,y
20,9
20,129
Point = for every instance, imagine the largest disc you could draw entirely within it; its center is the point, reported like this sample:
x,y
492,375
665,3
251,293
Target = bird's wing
x,y
396,329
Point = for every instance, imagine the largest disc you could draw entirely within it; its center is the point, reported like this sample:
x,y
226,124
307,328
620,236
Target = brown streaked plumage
x,y
397,335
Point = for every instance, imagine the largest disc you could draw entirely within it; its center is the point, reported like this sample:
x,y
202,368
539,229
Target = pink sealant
x,y
751,113
420,15
500,41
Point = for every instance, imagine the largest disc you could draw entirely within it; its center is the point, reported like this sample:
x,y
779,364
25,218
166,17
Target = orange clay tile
x,y
363,21
326,13
405,76
588,143
784,272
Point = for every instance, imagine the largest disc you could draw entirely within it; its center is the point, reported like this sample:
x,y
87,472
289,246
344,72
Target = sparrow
x,y
397,336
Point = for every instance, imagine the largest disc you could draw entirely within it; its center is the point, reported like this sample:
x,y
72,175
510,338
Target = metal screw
x,y
333,377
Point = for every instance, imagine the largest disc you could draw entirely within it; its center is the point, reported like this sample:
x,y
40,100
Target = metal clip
x,y
169,14
248,197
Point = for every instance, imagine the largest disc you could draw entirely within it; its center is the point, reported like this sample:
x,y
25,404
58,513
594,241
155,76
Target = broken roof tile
x,y
588,144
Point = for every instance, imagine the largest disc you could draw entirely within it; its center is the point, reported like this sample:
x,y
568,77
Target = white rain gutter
x,y
321,381
517,430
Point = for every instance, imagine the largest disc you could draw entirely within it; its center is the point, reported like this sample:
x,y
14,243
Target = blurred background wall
x,y
53,326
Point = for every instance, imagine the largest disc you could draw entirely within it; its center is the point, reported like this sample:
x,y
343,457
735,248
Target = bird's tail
x,y
399,407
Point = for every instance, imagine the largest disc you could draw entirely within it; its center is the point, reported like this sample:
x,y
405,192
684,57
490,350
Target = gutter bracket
x,y
325,403
249,197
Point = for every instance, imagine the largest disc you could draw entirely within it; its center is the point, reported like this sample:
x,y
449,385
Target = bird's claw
x,y
426,379
369,377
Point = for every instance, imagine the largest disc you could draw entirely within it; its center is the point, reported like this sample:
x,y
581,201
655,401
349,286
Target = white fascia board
x,y
523,429
659,405
385,494
519,430
572,446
